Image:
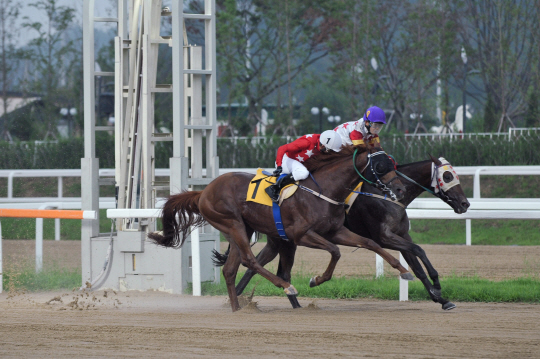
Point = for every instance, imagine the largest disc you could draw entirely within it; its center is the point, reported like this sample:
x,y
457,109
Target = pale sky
x,y
34,14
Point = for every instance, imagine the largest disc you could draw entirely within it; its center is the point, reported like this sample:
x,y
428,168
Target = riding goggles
x,y
375,127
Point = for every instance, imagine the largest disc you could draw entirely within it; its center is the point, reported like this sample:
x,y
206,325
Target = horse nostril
x,y
465,204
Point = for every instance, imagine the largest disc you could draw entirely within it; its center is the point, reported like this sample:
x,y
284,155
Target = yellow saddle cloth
x,y
256,190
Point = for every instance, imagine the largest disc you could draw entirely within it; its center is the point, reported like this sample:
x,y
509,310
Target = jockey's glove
x,y
277,171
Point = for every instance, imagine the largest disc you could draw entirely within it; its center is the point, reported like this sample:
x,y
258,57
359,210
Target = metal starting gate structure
x,y
136,263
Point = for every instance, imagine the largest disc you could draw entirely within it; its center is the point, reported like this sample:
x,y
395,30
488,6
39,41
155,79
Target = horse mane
x,y
325,158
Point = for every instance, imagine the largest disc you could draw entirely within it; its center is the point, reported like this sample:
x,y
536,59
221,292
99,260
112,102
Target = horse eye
x,y
448,177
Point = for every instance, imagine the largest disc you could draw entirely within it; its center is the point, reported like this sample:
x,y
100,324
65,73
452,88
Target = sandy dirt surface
x,y
153,324
492,262
160,325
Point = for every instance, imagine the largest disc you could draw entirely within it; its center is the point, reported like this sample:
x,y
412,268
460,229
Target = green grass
x,y
461,289
26,279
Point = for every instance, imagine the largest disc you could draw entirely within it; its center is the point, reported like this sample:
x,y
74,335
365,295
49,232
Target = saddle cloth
x,y
352,197
256,193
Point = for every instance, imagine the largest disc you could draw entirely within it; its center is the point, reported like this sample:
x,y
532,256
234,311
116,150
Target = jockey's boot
x,y
274,190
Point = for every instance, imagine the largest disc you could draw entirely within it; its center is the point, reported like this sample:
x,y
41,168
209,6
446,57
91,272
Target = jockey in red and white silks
x,y
365,131
291,155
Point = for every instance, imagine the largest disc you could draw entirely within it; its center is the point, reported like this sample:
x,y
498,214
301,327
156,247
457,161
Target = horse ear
x,y
435,160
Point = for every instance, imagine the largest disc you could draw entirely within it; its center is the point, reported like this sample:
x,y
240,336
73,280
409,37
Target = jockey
x,y
291,155
364,131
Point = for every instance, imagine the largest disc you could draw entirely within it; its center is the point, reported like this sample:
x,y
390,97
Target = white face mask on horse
x,y
437,178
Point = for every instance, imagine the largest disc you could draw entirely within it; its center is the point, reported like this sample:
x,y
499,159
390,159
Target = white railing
x,y
475,171
18,202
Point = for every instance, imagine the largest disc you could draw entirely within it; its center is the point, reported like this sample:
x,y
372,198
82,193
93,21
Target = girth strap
x,y
276,211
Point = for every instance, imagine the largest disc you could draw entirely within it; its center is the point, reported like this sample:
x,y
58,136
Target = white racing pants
x,y
298,170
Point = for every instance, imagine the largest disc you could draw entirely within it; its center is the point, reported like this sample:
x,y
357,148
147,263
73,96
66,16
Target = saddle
x,y
256,189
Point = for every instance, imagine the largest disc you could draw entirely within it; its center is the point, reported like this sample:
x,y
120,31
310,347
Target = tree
x,y
9,12
532,117
263,46
54,56
391,54
499,38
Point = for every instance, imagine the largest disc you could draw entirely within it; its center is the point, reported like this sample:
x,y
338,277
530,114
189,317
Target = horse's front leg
x,y
313,240
345,237
434,290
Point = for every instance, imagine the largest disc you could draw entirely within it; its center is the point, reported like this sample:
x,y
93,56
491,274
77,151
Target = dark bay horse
x,y
308,219
384,222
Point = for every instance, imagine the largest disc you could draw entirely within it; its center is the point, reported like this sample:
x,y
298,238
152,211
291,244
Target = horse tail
x,y
185,205
220,259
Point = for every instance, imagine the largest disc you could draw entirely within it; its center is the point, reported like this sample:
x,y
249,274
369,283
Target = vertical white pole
x,y
468,237
403,284
39,244
379,266
57,220
476,194
196,262
1,265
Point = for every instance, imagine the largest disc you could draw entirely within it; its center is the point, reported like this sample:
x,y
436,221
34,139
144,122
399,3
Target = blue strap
x,y
276,211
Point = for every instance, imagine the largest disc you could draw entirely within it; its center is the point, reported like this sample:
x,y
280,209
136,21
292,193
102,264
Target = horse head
x,y
380,172
446,185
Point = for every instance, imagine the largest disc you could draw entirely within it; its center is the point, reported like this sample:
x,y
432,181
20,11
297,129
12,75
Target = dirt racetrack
x,y
159,325
153,324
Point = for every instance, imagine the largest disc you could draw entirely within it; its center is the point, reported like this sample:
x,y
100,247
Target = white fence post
x,y
57,220
476,194
196,262
39,244
1,264
403,284
379,266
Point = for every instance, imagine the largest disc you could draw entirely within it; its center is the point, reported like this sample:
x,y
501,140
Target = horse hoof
x,y
312,282
448,306
294,301
291,290
407,276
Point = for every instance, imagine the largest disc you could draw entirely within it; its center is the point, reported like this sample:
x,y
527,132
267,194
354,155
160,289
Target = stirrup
x,y
273,193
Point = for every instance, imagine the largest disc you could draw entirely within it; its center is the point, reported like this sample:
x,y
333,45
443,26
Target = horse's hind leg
x,y
266,255
230,269
287,251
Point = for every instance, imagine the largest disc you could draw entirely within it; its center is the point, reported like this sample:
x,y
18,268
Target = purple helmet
x,y
375,114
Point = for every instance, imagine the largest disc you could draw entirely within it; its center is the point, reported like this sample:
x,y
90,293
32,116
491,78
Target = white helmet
x,y
331,140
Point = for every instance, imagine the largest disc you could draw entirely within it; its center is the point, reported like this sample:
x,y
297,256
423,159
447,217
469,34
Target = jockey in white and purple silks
x,y
365,131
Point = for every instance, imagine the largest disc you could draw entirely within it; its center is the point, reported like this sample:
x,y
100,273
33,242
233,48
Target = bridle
x,y
378,183
436,182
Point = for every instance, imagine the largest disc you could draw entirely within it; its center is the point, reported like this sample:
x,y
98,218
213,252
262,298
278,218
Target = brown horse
x,y
308,219
384,222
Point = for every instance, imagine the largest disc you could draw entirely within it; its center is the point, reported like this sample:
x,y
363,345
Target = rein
x,y
416,183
